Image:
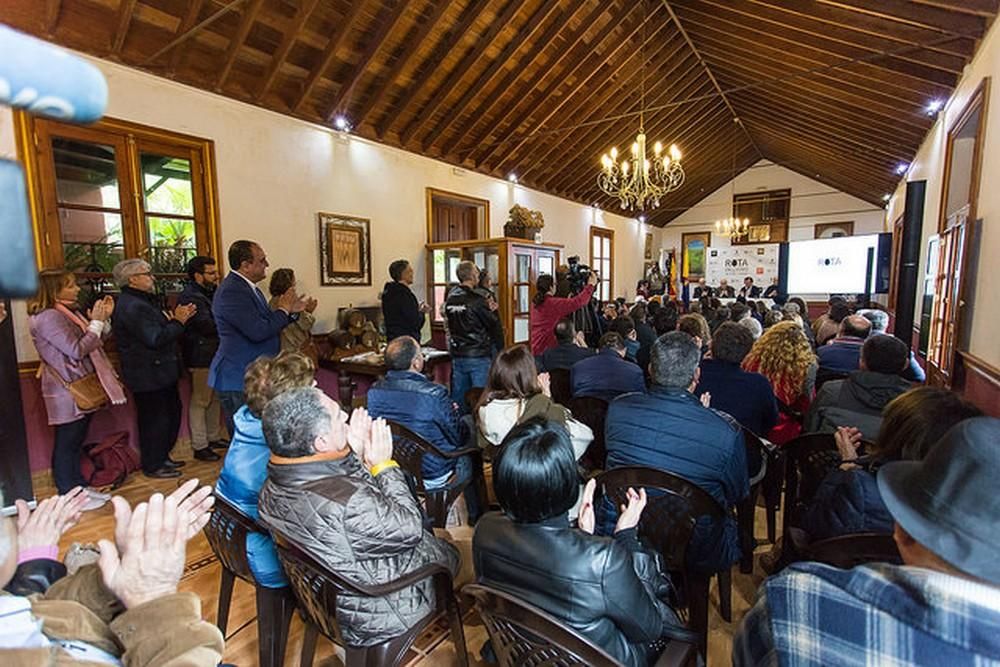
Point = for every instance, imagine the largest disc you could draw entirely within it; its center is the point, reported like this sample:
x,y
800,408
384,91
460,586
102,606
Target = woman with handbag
x,y
76,377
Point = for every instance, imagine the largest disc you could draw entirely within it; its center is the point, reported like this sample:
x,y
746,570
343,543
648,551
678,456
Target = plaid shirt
x,y
813,614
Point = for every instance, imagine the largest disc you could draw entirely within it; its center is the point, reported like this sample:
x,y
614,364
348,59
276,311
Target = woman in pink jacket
x,y
70,348
547,310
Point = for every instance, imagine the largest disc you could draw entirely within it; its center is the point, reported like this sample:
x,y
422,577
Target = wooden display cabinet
x,y
514,264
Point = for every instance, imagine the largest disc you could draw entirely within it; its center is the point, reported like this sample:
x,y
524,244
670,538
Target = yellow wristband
x,y
385,465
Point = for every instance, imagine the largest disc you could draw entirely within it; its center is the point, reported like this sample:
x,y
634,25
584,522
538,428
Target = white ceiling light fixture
x,y
341,123
512,177
934,107
902,167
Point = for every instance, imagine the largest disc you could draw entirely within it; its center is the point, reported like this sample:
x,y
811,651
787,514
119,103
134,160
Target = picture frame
x,y
694,258
648,252
833,230
345,251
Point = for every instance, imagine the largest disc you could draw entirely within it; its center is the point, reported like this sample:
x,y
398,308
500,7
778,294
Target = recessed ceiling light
x,y
512,177
341,123
642,218
934,107
886,197
902,167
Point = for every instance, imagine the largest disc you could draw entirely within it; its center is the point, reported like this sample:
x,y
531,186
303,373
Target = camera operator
x,y
547,309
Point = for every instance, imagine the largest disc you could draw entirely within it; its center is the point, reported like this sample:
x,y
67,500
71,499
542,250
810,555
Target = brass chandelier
x,y
640,180
733,228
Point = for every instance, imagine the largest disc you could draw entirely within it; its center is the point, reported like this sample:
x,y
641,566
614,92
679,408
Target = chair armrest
x,y
677,654
429,570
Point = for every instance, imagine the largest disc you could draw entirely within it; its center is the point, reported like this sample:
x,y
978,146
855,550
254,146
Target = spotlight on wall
x,y
886,197
901,168
642,218
934,107
512,177
341,123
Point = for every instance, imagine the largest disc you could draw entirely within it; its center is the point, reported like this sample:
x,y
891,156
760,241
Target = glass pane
x,y
596,246
479,257
493,267
605,290
171,244
440,292
605,268
606,247
85,173
167,184
523,298
92,240
453,262
545,265
521,329
440,275
523,268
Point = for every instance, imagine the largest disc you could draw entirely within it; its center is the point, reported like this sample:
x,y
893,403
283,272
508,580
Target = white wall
x,y
929,165
275,173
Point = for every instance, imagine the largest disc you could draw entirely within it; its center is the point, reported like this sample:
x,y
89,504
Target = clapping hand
x,y
545,384
359,431
184,312
51,518
291,302
630,514
424,308
102,309
848,440
706,399
585,519
197,503
379,447
311,304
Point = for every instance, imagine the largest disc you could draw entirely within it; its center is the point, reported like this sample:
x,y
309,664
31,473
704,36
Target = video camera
x,y
577,275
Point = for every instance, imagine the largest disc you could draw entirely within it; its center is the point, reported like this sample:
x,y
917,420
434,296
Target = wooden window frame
x,y
608,233
777,227
136,138
482,229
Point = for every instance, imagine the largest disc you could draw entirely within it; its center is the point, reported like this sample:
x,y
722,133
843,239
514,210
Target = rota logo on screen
x,y
737,263
828,261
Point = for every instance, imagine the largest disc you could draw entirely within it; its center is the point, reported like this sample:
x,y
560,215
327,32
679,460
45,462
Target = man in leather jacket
x,y
474,331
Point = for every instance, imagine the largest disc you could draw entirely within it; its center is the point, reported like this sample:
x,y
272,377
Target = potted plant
x,y
523,223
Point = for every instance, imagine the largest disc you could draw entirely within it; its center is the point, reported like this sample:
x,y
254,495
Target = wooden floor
x,y
433,648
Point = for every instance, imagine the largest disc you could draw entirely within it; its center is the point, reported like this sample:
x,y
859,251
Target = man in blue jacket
x,y
606,375
669,429
247,326
407,397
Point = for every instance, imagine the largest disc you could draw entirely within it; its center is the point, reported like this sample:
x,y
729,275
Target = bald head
x,y
856,326
403,354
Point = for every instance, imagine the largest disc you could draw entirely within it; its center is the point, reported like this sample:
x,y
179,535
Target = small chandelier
x,y
639,181
733,228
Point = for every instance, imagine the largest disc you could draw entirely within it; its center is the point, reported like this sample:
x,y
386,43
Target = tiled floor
x,y
433,648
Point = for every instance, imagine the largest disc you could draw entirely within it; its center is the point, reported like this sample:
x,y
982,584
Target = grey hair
x,y
673,360
127,268
464,270
293,420
753,325
878,318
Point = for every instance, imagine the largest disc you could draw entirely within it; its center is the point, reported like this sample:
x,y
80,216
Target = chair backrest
x,y
593,412
847,551
559,386
674,505
809,457
758,455
226,532
524,635
409,449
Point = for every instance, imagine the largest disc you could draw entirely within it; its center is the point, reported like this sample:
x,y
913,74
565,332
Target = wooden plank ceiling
x,y
834,89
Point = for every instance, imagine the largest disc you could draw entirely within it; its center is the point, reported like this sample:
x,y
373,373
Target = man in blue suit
x,y
247,326
606,375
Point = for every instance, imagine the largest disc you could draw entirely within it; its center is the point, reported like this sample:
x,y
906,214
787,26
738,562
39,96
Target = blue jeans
x,y
466,373
460,475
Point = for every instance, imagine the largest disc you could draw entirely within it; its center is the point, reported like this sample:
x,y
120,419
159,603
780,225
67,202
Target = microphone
x,y
49,81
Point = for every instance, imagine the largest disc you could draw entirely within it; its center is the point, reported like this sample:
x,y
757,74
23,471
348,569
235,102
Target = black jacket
x,y
563,355
473,329
401,312
590,583
856,401
200,339
146,340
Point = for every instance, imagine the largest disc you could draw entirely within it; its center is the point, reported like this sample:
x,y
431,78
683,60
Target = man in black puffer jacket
x,y
474,331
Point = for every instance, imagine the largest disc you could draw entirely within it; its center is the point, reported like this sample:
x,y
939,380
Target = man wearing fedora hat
x,y
942,607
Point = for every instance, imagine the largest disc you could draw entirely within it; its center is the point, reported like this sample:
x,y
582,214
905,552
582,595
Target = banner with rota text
x,y
737,262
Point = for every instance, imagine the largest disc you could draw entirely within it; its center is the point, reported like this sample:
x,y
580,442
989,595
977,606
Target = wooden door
x,y
453,222
946,319
523,274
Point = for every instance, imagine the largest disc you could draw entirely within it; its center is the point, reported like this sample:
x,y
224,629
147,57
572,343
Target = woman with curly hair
x,y
783,355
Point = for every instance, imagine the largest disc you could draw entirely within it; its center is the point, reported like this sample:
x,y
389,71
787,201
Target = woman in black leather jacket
x,y
602,587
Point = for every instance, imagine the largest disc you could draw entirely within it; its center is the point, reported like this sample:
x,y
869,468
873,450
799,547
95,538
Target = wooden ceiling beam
x,y
288,40
465,65
928,15
472,12
187,23
412,46
52,11
125,10
520,39
796,39
487,101
385,28
250,13
987,8
588,70
576,57
336,42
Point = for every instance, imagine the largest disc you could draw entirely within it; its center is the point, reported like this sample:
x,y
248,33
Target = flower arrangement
x,y
523,222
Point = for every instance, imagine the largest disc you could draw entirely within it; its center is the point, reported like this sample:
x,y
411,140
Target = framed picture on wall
x,y
345,251
833,230
648,254
695,257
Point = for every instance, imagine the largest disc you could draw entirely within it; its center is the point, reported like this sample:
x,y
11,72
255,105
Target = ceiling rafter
x,y
185,25
125,10
250,12
52,11
288,40
917,13
335,44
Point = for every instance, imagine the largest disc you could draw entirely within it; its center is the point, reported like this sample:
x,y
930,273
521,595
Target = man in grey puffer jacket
x,y
352,510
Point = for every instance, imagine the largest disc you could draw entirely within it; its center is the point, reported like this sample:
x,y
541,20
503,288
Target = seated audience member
x,y
747,397
625,327
124,609
752,325
749,290
570,349
701,290
827,325
807,326
772,317
515,393
401,313
738,311
725,291
843,353
607,375
297,336
245,468
406,396
665,321
880,325
783,355
941,607
334,489
596,585
609,311
641,315
696,326
721,315
848,500
858,400
668,428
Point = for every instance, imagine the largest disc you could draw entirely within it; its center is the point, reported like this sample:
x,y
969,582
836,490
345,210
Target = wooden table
x,y
345,368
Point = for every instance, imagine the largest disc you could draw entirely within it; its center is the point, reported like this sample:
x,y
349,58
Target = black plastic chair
x,y
560,387
846,551
594,413
409,449
227,531
523,634
667,525
316,588
762,477
808,459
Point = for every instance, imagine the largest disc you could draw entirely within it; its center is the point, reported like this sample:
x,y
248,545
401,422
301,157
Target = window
x,y
768,213
602,253
113,190
453,217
